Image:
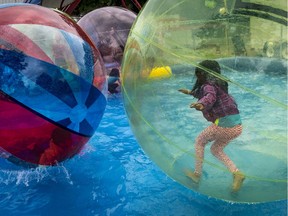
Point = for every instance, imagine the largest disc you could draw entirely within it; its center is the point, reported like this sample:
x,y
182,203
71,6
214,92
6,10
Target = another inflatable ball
x,y
181,34
52,85
108,28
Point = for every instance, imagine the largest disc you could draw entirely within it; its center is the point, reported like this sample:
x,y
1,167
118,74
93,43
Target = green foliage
x,y
85,6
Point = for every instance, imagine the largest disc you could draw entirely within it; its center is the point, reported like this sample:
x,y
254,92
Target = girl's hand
x,y
197,106
185,91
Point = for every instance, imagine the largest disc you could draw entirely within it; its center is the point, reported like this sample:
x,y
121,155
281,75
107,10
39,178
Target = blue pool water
x,y
112,176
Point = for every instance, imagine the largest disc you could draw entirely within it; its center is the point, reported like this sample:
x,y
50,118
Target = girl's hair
x,y
213,66
114,73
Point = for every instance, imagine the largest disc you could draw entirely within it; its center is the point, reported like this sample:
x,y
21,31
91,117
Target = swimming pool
x,y
112,176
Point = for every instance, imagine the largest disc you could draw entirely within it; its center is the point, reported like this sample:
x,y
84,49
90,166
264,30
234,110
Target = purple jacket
x,y
217,102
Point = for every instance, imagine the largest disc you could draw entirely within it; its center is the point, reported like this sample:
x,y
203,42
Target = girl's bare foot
x,y
238,179
194,176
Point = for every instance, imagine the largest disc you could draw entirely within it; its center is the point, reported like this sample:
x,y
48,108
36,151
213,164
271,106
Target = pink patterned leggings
x,y
221,137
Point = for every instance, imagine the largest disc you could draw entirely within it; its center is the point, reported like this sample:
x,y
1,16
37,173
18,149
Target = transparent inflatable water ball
x,y
109,28
52,85
249,41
